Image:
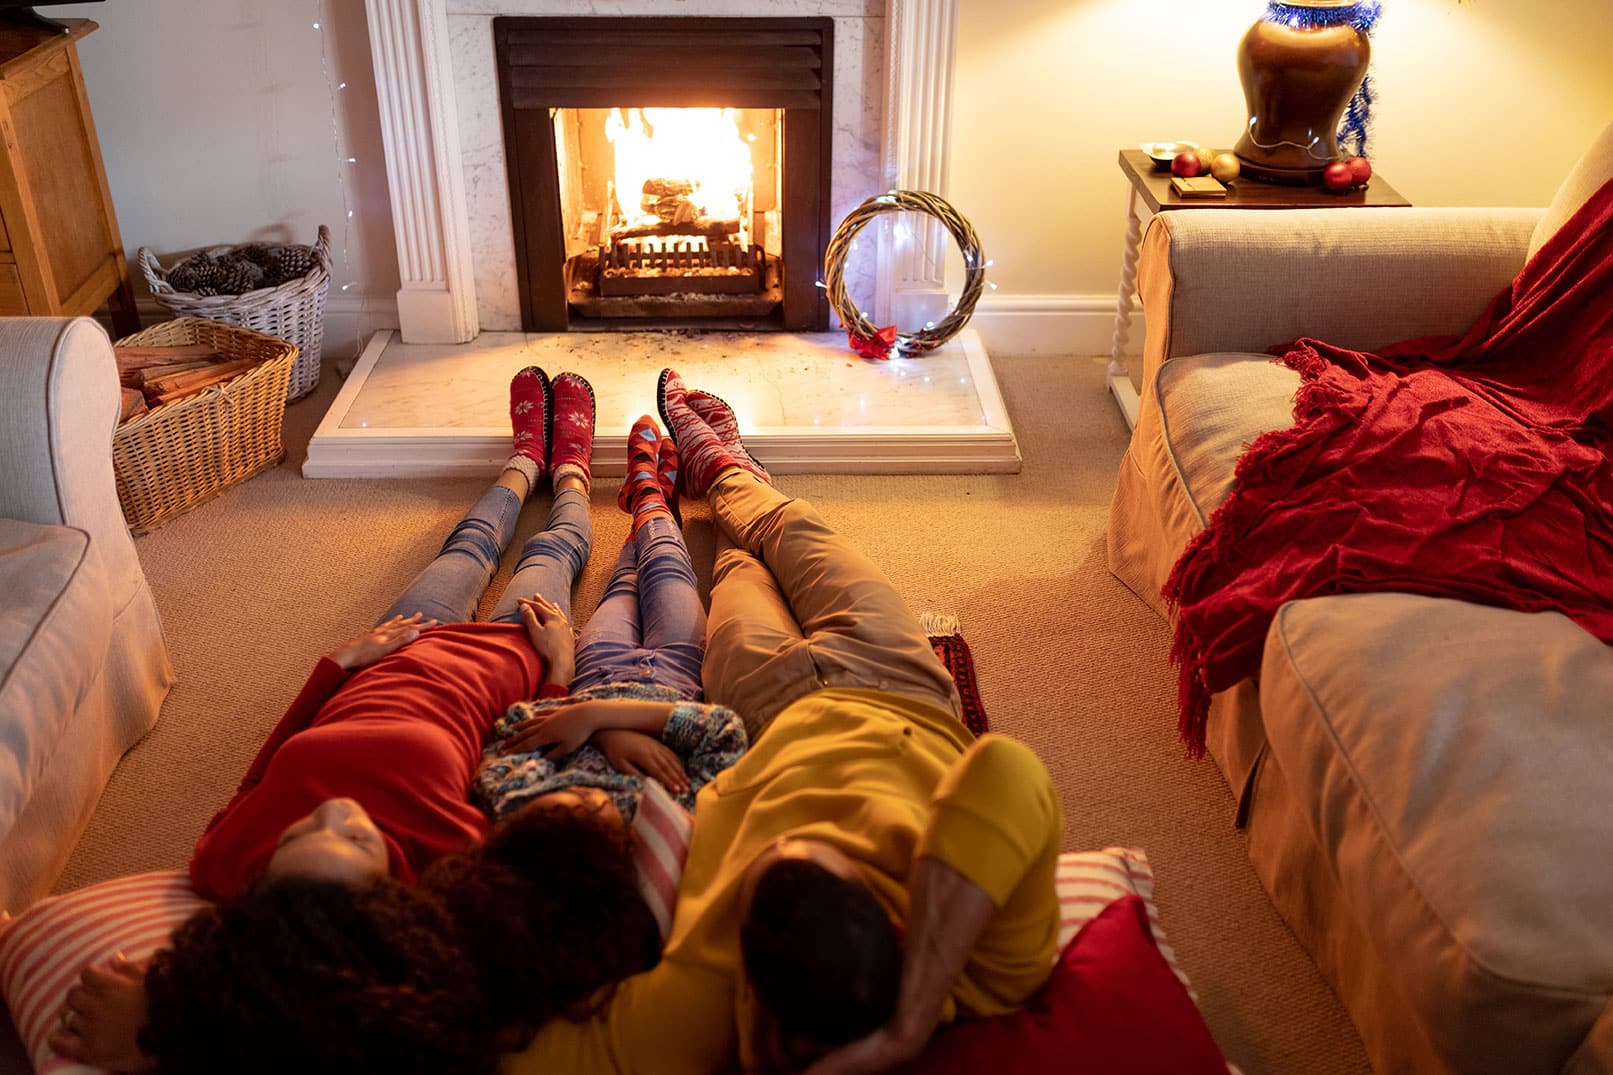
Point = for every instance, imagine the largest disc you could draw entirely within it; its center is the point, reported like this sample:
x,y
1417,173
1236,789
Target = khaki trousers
x,y
796,608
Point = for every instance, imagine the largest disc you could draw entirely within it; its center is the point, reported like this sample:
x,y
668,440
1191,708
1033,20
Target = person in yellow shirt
x,y
869,870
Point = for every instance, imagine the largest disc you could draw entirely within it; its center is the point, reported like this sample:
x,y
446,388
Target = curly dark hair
x,y
549,912
820,951
315,977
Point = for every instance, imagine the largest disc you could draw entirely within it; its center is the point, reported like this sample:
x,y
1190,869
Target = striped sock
x,y
701,453
641,495
720,417
666,472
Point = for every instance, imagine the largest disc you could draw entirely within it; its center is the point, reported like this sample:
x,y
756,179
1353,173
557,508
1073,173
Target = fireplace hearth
x,y
667,172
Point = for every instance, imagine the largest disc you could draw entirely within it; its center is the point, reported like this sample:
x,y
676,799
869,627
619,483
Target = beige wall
x,y
221,121
1483,103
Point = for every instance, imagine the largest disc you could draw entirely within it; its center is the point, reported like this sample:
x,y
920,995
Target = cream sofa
x,y
83,664
1424,783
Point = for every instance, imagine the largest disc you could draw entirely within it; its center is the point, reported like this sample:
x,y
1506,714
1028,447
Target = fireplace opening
x,y
668,171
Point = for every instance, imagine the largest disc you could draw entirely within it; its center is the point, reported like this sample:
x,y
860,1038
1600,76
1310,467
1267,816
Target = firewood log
x,y
134,403
167,389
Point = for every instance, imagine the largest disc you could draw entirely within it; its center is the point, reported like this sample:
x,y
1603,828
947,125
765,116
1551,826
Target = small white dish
x,y
1162,153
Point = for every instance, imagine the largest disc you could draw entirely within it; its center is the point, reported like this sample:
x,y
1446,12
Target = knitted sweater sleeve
x,y
709,738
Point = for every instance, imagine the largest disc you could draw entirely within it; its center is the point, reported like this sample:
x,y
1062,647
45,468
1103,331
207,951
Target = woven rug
x,y
947,641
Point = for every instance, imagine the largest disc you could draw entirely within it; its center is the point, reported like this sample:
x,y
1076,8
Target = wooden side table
x,y
60,250
1149,193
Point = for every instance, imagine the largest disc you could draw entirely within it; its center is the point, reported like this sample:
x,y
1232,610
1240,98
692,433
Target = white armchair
x,y
83,663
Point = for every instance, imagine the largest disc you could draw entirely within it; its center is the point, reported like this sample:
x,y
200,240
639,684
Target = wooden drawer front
x,y
12,301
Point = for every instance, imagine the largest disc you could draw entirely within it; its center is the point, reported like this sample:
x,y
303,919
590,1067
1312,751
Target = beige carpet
x,y
255,585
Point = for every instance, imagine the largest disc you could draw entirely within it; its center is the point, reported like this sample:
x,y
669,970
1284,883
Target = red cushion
x,y
1111,1004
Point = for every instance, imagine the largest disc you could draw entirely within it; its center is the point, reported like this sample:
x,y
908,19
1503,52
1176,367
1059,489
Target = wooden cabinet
x,y
60,250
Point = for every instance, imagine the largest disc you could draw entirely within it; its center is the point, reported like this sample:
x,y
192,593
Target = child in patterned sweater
x,y
621,703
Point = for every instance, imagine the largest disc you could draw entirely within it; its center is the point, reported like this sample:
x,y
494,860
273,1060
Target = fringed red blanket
x,y
1473,467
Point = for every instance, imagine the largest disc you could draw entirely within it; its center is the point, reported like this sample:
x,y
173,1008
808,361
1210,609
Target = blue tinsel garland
x,y
1357,120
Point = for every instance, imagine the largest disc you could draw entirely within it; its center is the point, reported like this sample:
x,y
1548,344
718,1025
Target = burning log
x,y
669,199
705,226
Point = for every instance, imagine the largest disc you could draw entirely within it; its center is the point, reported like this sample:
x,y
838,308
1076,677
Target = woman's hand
x,y
555,732
381,640
551,635
637,754
103,1016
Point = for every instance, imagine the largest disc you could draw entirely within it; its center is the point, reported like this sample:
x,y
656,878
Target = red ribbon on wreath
x,y
876,346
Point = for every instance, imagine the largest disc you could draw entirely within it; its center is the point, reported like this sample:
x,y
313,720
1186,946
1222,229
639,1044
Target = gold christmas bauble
x,y
1225,167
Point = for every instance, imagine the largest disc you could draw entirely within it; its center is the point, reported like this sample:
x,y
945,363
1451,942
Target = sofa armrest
x,y
59,405
1246,279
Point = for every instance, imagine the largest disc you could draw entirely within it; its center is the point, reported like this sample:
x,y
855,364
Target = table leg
x,y
1119,380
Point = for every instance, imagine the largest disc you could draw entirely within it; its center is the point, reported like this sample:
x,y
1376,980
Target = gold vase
x,y
1297,81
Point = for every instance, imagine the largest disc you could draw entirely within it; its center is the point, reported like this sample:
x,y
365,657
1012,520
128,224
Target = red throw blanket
x,y
1473,467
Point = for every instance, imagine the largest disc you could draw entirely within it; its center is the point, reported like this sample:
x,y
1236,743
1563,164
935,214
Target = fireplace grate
x,y
696,264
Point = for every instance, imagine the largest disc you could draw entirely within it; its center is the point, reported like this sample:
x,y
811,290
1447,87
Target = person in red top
x,y
367,771
364,783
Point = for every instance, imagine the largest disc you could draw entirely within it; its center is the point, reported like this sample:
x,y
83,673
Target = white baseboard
x,y
1048,324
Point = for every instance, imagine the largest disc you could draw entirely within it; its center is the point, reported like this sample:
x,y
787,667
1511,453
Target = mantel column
x,y
420,130
921,53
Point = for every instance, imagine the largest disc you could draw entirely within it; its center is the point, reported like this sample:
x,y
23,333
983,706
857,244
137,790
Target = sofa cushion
x,y
55,623
1214,406
1455,762
1593,169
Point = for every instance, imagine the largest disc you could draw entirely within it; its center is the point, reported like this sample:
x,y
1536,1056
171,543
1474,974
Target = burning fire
x,y
680,166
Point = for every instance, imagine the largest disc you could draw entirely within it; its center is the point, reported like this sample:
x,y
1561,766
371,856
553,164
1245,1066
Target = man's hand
x,y
551,635
637,754
102,1020
379,641
882,1050
555,732
946,913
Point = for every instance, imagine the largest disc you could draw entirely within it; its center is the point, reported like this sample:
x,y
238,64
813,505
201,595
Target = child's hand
x,y
102,1020
381,640
554,733
637,754
551,635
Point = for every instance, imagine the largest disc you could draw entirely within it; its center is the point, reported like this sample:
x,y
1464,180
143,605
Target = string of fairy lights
x,y
344,162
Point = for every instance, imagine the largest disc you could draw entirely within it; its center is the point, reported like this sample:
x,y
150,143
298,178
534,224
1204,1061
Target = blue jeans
x,y
450,587
650,626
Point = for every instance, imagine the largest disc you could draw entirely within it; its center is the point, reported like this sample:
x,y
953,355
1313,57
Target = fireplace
x,y
667,172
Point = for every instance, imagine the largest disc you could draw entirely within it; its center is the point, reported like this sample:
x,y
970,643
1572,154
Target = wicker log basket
x,y
174,457
294,310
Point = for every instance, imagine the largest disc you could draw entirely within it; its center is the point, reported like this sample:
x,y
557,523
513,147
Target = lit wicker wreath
x,y
877,343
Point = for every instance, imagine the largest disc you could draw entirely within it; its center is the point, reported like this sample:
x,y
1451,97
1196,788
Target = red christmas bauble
x,y
1186,164
1360,169
1336,177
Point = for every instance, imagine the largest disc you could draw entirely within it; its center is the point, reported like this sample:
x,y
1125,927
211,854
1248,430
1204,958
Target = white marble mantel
x,y
441,128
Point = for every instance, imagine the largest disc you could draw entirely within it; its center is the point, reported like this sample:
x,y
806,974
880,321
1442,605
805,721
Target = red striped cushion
x,y
1089,881
43,950
661,831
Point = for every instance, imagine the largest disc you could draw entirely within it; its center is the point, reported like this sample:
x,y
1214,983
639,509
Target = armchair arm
x,y
1245,279
59,404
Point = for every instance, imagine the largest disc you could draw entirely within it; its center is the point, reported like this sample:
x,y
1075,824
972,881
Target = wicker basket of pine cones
x,y
274,288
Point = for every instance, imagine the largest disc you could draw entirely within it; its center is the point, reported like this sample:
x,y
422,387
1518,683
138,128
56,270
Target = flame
x,y
700,145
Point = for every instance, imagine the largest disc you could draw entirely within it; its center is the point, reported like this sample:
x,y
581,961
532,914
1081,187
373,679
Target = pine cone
x,y
291,262
238,276
199,273
259,254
